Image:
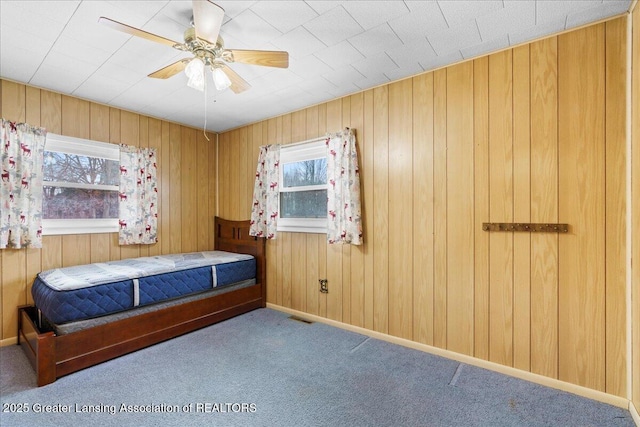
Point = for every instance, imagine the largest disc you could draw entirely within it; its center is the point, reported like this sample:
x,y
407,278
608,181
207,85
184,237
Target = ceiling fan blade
x,y
170,70
135,31
267,58
238,84
207,19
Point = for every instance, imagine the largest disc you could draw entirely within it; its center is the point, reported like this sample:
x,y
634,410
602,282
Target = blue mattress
x,y
70,294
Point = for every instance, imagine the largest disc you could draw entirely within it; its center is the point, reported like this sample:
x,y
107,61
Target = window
x,y
81,181
303,188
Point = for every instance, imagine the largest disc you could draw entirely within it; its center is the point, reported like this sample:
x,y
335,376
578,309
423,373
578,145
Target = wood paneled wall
x,y
635,197
186,175
531,134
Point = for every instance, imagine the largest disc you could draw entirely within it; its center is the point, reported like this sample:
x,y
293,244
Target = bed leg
x,y
46,360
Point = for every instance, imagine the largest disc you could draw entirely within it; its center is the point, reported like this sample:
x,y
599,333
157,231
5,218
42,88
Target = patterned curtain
x,y
138,219
21,186
344,221
264,211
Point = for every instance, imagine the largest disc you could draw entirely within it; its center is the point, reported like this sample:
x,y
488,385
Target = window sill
x,y
303,225
53,227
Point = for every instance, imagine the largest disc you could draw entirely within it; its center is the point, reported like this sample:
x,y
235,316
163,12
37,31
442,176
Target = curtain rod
x,y
320,138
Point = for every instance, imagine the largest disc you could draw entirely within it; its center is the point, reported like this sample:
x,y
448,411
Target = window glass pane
x,y
303,204
76,203
308,172
80,169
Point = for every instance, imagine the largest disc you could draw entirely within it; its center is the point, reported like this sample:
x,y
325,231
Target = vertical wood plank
x,y
34,266
188,170
346,249
501,208
313,240
99,126
400,216
440,279
581,168
272,271
99,247
175,194
213,186
76,249
635,221
244,202
481,206
460,235
366,175
233,183
381,209
312,272
356,269
76,117
13,289
50,111
544,206
202,192
13,101
223,175
298,240
423,143
521,210
322,241
32,106
616,206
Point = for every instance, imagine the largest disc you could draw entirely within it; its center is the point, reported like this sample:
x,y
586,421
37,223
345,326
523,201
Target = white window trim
x,y
297,153
82,147
54,227
88,148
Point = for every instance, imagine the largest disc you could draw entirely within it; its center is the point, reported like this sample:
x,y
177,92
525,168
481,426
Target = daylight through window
x,y
303,188
81,180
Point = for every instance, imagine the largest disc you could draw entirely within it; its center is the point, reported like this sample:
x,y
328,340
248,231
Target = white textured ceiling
x,y
336,48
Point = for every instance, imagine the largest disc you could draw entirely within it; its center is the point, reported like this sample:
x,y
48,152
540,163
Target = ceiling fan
x,y
203,40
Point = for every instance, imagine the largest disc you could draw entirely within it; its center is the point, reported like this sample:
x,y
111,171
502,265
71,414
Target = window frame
x,y
294,153
82,147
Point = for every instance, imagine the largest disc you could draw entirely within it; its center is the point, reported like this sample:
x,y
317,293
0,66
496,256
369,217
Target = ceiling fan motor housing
x,y
202,49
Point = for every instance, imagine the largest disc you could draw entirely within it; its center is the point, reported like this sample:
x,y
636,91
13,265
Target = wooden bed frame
x,y
54,356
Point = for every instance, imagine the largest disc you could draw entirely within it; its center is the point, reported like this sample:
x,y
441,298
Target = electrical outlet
x,y
323,286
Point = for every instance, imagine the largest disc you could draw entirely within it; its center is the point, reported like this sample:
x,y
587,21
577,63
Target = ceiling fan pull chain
x,y
204,129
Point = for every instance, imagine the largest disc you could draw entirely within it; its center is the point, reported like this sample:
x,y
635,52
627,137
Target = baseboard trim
x,y
8,341
599,396
634,413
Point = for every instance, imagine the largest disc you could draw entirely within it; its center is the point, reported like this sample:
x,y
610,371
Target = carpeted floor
x,y
264,369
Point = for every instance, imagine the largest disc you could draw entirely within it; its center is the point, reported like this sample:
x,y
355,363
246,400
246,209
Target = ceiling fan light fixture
x,y
195,72
220,79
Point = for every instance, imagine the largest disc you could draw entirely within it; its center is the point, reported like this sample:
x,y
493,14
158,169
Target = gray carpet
x,y
263,369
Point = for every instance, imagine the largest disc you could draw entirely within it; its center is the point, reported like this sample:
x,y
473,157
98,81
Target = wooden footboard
x,y
53,356
38,345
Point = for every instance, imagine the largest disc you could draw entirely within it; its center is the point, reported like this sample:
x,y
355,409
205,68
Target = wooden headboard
x,y
233,236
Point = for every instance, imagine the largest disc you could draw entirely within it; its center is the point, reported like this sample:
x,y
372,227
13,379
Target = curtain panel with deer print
x,y
138,195
344,218
21,185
